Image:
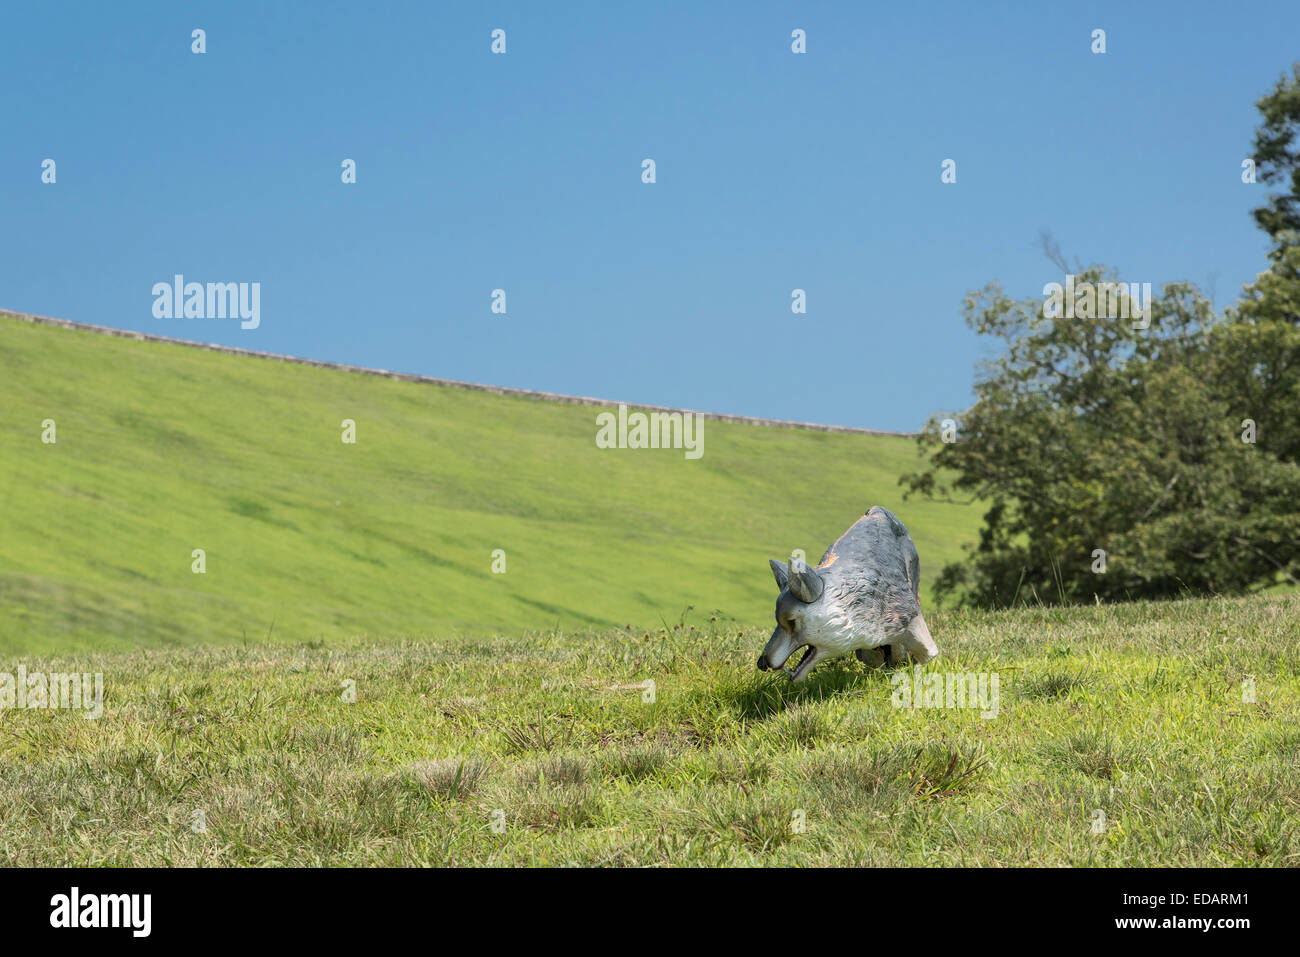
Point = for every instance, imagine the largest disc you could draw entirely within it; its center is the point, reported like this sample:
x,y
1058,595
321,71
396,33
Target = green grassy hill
x,y
1171,725
163,449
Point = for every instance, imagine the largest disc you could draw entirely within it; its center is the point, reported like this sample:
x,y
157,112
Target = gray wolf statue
x,y
863,597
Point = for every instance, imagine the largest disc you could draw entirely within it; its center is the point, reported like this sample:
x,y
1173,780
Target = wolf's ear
x,y
805,583
779,572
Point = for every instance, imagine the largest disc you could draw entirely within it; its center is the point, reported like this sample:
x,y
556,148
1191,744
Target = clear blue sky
x,y
523,171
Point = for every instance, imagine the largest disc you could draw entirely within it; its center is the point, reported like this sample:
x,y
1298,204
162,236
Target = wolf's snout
x,y
762,663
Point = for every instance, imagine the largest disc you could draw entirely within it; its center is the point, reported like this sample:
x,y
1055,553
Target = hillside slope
x,y
163,449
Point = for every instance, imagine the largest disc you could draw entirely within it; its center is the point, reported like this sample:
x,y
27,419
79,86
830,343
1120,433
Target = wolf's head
x,y
800,618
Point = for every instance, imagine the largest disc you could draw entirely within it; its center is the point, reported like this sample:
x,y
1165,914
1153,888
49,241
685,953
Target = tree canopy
x,y
1124,458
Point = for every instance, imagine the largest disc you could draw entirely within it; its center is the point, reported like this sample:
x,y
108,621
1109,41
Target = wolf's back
x,y
911,559
877,541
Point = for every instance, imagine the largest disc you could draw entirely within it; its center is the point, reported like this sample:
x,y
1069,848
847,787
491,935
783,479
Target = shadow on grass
x,y
765,695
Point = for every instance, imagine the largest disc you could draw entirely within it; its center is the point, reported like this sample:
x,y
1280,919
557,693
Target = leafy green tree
x,y
1110,466
1277,158
1259,347
1118,461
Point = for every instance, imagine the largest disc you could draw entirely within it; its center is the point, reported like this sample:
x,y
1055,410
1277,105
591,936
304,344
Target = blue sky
x,y
775,171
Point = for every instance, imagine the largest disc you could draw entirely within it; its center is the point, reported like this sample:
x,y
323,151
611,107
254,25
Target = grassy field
x,y
349,683
162,450
1135,711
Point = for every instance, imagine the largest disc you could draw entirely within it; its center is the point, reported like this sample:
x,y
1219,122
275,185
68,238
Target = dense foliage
x,y
1125,459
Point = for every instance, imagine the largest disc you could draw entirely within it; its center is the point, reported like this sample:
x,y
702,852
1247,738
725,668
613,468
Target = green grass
x,y
162,450
1136,711
521,698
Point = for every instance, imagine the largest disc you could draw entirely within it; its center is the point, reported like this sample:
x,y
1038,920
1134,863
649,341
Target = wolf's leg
x,y
898,653
918,641
871,657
